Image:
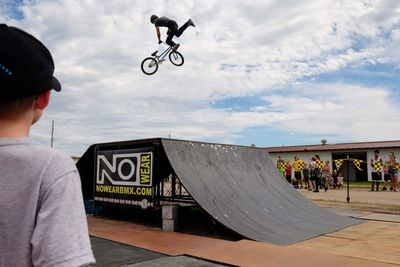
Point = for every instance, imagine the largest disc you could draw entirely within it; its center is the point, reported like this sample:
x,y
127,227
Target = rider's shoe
x,y
191,22
175,48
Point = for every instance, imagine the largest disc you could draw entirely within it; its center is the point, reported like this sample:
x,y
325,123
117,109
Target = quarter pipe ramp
x,y
240,187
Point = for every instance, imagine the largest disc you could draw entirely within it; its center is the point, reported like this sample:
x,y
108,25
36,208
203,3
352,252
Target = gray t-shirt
x,y
42,217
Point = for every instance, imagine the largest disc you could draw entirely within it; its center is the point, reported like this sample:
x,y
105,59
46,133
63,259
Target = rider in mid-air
x,y
173,29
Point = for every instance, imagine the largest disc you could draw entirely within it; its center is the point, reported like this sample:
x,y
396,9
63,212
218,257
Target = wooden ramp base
x,y
240,253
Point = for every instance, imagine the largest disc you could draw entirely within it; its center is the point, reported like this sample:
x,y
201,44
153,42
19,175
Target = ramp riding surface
x,y
241,188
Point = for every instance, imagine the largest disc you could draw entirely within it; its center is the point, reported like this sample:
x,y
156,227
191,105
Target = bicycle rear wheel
x,y
149,66
176,58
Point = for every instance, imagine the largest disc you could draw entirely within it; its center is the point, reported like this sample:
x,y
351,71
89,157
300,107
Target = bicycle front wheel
x,y
176,58
149,66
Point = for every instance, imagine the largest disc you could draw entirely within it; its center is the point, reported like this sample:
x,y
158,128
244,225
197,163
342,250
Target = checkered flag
x,y
357,163
338,163
319,164
377,166
282,166
301,165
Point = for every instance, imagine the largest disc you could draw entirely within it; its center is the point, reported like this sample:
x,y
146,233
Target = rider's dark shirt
x,y
164,22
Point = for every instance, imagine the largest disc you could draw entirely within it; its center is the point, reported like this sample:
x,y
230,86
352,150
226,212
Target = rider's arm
x,y
158,34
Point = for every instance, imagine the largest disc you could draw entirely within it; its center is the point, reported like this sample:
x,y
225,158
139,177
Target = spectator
x,y
340,179
327,175
335,178
314,175
298,165
394,172
386,177
306,176
288,172
280,165
317,173
42,215
376,162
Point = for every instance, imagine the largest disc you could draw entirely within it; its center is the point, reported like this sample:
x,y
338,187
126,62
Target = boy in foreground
x,y
42,217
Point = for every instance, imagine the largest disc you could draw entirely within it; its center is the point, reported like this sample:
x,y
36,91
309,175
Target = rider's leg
x,y
171,33
182,29
169,40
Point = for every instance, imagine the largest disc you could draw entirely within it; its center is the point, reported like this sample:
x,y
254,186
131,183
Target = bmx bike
x,y
150,64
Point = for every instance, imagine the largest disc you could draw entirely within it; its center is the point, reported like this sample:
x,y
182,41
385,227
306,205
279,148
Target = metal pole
x,y
348,178
52,133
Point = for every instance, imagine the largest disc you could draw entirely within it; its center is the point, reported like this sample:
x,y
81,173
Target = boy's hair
x,y
14,106
17,106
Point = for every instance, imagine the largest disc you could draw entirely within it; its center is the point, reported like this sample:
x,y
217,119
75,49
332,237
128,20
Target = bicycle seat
x,y
154,53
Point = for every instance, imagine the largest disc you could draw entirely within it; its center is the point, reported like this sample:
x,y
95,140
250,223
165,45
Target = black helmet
x,y
153,18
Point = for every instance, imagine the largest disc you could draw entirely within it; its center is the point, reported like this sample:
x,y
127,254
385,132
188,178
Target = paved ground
x,y
361,199
113,254
109,253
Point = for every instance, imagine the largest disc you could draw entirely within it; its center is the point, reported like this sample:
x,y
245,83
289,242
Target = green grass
x,y
358,184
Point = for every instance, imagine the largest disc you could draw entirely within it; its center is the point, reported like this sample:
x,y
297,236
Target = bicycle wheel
x,y
176,58
149,66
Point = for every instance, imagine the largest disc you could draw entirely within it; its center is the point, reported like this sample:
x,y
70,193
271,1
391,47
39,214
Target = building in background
x,y
363,151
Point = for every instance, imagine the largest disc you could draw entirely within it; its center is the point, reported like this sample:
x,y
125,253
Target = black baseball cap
x,y
26,65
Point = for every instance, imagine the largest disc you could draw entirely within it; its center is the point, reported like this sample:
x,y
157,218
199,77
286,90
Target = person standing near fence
x,y
376,175
335,178
288,172
306,176
393,169
298,166
327,175
386,177
280,165
314,175
317,173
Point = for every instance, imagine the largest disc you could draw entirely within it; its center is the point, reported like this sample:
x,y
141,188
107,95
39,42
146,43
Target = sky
x,y
269,73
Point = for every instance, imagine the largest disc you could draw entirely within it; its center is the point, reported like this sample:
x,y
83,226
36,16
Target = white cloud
x,y
365,114
238,48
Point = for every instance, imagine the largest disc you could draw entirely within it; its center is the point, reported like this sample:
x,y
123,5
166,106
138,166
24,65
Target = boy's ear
x,y
42,101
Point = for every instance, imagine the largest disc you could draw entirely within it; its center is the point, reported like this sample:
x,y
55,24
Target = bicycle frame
x,y
163,54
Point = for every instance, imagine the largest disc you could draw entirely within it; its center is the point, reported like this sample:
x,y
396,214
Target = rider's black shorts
x,y
172,27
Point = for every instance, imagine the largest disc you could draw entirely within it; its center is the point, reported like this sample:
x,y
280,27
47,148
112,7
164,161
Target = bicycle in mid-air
x,y
150,64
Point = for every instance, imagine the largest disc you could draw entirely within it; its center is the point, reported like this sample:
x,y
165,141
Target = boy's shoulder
x,y
29,146
47,160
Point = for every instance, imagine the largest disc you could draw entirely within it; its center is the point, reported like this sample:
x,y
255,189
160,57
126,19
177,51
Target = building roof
x,y
335,147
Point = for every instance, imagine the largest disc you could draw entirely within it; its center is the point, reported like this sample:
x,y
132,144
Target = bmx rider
x,y
173,29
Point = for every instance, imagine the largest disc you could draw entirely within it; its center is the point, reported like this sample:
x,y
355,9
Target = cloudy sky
x,y
265,72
